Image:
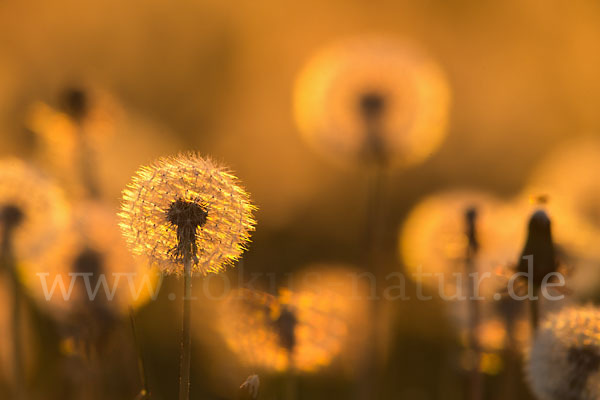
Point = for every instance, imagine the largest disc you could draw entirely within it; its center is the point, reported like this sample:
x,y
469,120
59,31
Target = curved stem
x,y
186,338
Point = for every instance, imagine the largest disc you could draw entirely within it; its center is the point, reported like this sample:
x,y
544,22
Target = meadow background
x,y
217,77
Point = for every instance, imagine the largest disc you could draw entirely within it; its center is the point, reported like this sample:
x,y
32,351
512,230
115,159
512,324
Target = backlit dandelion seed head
x,y
190,196
372,100
78,127
434,238
92,245
34,204
564,360
302,330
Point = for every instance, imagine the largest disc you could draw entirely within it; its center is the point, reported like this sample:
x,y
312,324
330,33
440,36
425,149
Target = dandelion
x,y
372,100
72,134
433,240
187,205
186,214
92,251
564,360
32,208
298,330
32,212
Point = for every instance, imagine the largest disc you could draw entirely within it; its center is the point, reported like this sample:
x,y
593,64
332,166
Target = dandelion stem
x,y
140,357
186,337
290,386
534,311
88,176
374,230
9,265
475,379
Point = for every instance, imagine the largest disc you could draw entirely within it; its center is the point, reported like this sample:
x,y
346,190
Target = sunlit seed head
x,y
31,206
372,100
564,360
187,202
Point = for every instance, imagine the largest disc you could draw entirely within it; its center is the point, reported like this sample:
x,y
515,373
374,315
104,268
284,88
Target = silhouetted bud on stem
x,y
540,246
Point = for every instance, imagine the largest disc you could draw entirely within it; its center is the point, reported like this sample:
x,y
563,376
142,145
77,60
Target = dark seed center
x,y
89,261
11,216
75,102
286,327
187,217
470,219
372,105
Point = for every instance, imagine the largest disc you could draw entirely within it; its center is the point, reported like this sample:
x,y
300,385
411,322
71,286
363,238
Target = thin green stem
x,y
186,337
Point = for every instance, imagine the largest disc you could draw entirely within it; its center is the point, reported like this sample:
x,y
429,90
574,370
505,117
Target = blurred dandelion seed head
x,y
372,99
435,237
78,126
564,360
302,330
187,195
91,245
32,206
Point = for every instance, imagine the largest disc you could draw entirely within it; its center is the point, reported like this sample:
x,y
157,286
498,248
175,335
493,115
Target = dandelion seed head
x,y
31,206
372,99
564,359
77,127
92,245
302,330
438,231
187,197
